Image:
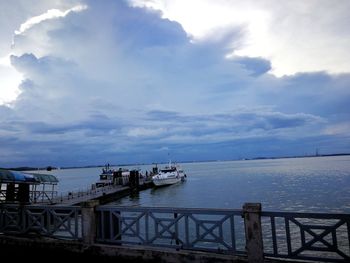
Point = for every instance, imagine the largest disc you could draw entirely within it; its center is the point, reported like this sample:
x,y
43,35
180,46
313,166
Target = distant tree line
x,y
28,168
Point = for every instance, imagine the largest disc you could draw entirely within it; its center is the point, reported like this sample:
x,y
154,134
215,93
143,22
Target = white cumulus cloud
x,y
296,36
49,14
120,83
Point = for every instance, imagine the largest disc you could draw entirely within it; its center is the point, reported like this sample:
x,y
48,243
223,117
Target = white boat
x,y
171,174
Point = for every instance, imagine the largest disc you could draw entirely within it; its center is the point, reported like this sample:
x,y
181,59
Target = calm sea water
x,y
295,184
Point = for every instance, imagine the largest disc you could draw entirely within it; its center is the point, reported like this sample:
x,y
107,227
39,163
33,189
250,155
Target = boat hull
x,y
171,174
166,181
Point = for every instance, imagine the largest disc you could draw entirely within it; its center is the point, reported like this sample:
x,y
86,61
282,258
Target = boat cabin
x,y
168,170
113,177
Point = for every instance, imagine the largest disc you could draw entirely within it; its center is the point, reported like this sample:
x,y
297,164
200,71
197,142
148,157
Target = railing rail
x,y
317,237
35,196
307,236
54,221
194,229
42,196
76,195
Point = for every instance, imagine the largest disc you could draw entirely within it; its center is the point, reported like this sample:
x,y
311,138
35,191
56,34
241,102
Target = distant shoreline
x,y
48,168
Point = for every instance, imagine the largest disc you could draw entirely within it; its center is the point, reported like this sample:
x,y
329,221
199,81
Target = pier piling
x,y
253,232
89,221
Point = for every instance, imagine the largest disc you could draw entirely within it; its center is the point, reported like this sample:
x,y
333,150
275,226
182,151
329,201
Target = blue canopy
x,y
8,176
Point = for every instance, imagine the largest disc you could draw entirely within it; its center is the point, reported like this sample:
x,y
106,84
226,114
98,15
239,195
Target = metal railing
x,y
88,194
307,236
41,196
53,221
193,229
35,196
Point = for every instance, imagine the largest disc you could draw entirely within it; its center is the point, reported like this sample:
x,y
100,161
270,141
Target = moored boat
x,y
171,174
111,176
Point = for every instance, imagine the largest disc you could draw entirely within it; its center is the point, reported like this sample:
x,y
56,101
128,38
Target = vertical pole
x,y
35,193
43,193
253,232
32,193
89,221
176,233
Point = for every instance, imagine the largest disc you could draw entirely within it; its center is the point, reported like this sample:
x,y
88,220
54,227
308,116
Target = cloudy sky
x,y
139,81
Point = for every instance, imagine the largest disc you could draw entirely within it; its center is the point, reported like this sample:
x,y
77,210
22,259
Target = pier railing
x,y
195,229
89,193
41,196
248,231
306,236
59,222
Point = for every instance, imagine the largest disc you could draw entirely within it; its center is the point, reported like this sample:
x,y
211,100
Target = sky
x,y
87,82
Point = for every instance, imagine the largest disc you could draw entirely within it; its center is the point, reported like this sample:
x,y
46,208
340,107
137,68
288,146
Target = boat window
x,y
168,170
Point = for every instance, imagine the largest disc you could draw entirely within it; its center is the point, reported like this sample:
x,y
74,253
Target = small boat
x,y
106,177
171,174
111,176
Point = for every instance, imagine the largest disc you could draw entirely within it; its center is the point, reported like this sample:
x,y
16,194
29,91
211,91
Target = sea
x,y
309,184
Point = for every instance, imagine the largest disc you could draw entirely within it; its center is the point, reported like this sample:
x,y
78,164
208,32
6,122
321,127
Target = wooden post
x,y
253,232
89,221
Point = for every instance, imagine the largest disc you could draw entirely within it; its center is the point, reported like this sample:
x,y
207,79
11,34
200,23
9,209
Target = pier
x,y
33,188
118,187
104,194
177,234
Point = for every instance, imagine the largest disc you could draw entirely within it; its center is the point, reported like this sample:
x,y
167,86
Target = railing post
x,y
89,221
253,232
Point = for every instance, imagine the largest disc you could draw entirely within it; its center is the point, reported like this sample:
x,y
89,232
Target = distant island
x,y
27,168
50,168
299,156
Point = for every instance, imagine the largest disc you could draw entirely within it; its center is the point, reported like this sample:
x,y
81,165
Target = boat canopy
x,y
9,176
45,178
